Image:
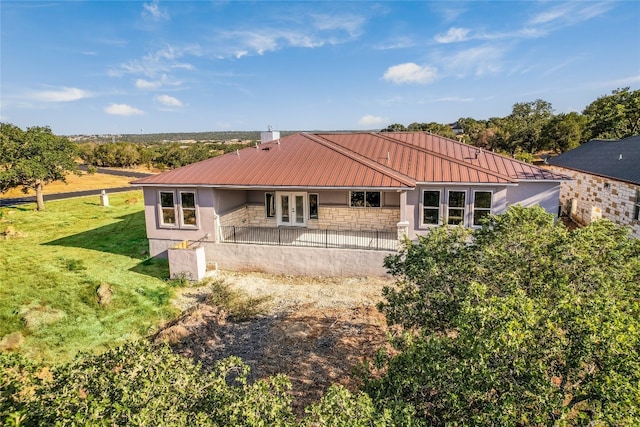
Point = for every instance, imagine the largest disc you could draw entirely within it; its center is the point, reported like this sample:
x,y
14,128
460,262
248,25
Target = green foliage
x,y
518,323
33,158
614,116
564,132
141,385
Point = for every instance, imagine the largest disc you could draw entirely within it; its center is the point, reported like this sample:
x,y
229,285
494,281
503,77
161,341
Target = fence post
x,y
377,240
234,234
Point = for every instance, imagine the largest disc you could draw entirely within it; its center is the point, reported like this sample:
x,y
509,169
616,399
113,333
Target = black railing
x,y
303,237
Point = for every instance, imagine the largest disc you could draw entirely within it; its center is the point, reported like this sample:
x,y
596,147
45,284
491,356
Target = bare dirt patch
x,y
314,330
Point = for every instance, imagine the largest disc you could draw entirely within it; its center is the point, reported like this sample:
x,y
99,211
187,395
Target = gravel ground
x,y
314,330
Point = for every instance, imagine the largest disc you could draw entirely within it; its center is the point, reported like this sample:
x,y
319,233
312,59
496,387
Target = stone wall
x,y
238,217
357,219
332,218
590,197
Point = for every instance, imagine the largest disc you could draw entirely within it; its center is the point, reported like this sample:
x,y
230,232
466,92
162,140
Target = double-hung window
x,y
431,207
481,206
168,208
188,207
368,199
178,212
456,207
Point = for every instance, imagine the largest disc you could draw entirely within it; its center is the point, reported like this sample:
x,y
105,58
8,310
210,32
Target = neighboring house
x,y
333,203
606,182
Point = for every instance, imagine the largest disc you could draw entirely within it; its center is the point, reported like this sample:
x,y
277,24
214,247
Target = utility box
x,y
187,262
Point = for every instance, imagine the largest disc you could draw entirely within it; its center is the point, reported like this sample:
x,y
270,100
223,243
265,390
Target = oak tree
x,y
517,323
32,158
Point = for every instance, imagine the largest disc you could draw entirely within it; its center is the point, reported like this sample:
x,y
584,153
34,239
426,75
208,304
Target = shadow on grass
x,y
127,237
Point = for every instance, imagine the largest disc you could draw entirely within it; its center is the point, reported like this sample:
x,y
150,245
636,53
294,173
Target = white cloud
x,y
369,120
145,84
479,61
162,61
123,110
453,35
154,12
64,94
410,72
168,100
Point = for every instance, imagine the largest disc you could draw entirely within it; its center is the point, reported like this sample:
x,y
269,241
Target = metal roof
x,y
619,159
353,160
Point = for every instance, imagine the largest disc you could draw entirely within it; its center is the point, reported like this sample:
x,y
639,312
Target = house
x,y
333,203
606,182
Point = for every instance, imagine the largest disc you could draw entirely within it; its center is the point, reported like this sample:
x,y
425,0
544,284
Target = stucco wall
x,y
541,193
204,211
599,197
287,259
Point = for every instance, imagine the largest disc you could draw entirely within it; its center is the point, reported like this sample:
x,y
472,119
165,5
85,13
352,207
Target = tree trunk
x,y
39,197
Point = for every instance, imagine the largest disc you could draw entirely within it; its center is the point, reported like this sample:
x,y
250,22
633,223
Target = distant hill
x,y
147,138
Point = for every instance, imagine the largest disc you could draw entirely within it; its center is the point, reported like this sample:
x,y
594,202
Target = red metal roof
x,y
353,160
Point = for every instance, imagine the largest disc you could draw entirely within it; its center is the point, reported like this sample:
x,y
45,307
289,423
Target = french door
x,y
291,209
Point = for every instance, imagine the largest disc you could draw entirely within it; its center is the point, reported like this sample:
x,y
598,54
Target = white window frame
x,y
439,207
473,206
365,199
178,210
161,210
194,208
464,208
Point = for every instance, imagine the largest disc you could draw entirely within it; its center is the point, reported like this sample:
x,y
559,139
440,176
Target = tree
x,y
517,323
396,127
526,122
614,116
34,158
564,132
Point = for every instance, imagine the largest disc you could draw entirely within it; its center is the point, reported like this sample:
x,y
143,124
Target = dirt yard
x,y
314,330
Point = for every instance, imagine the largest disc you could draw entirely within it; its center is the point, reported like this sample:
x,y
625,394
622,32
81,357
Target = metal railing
x,y
303,237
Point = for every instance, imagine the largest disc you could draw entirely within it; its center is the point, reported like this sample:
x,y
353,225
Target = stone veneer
x,y
596,197
333,218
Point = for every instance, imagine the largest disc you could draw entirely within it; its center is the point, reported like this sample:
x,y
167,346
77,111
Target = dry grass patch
x,y
84,181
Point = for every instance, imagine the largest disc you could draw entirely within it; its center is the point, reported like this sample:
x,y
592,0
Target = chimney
x,y
269,135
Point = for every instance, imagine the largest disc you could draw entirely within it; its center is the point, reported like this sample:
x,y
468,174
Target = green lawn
x,y
51,269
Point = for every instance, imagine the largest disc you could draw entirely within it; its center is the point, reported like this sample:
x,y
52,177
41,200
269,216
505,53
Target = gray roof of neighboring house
x,y
619,159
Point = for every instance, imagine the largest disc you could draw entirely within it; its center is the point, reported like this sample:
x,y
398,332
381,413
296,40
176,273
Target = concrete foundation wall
x,y
287,260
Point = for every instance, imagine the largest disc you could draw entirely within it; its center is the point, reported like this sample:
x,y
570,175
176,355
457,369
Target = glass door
x,y
291,209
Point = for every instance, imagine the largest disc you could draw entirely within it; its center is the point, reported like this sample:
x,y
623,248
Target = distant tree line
x,y
532,127
159,155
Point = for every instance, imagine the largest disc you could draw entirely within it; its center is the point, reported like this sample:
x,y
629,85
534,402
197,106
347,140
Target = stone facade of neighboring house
x,y
605,182
590,197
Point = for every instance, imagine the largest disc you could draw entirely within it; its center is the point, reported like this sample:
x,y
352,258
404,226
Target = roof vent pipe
x,y
620,158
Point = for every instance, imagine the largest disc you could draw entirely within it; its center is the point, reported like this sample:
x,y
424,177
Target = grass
x,y
97,181
51,271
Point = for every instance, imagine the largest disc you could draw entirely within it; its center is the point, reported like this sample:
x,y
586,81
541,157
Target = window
x,y
456,207
188,204
369,199
481,206
270,204
636,211
167,205
313,206
431,207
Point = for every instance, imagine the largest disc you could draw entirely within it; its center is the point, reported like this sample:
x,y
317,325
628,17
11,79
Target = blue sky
x,y
86,67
